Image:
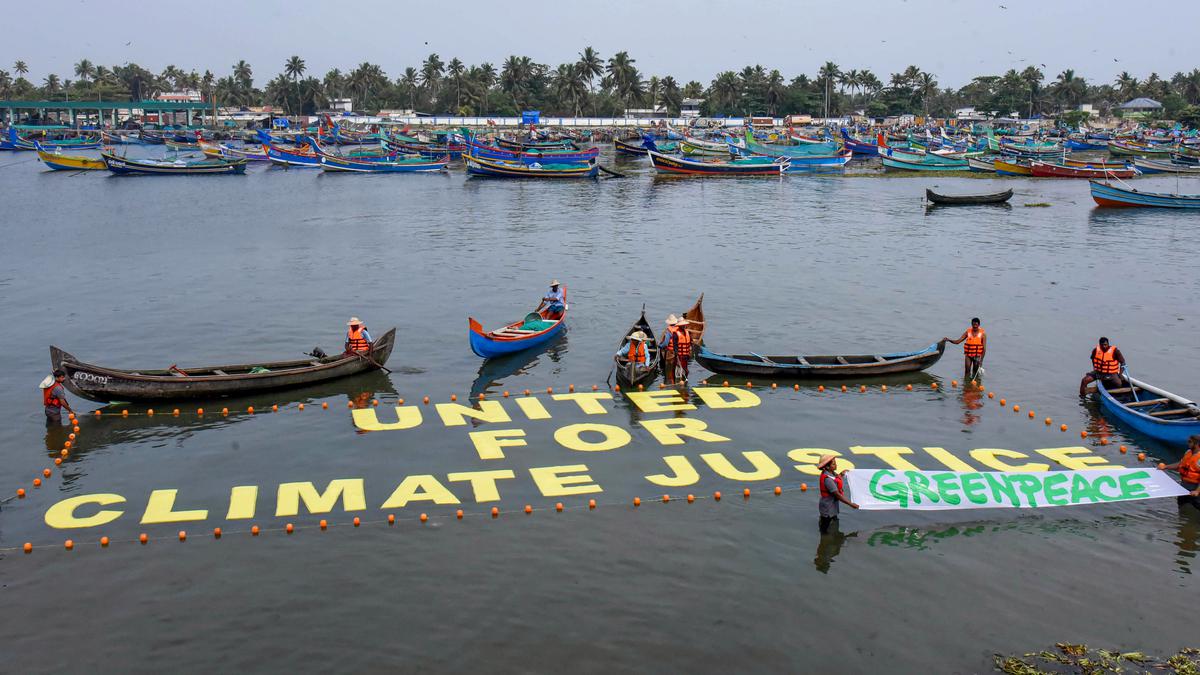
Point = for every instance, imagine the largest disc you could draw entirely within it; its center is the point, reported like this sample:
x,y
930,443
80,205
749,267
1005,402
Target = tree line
x,y
592,85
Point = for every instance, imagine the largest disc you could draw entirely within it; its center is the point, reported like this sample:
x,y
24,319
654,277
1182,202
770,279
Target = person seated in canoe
x,y
358,339
554,303
634,351
1107,363
677,348
974,350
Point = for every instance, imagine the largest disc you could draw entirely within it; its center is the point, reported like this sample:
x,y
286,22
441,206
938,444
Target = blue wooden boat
x,y
635,149
534,330
124,166
495,168
1149,410
749,166
897,164
527,146
860,148
1075,144
380,165
533,156
788,151
1161,166
820,367
1107,194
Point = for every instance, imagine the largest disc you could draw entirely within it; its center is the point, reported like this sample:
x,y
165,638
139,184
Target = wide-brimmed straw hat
x,y
554,282
682,322
50,381
639,335
825,459
672,320
354,321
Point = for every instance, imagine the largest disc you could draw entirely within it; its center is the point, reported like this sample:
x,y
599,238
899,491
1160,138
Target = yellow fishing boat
x,y
60,162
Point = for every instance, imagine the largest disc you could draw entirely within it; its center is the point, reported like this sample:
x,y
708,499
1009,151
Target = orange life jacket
x,y
49,399
355,342
683,342
637,352
973,347
1189,467
821,483
1105,362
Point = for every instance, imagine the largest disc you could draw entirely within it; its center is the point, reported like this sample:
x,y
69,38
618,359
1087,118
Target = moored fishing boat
x,y
820,367
697,146
631,374
1137,149
982,164
1155,412
539,156
59,162
124,166
859,147
905,165
479,166
1012,167
763,166
565,143
638,148
380,165
100,383
959,200
1047,170
695,317
1145,165
535,330
1107,194
784,151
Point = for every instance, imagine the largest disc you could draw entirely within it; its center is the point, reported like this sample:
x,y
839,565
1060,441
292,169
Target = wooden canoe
x,y
993,198
695,315
820,367
630,375
513,337
99,383
1159,414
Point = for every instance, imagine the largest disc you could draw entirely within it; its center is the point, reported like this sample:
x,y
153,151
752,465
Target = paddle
x,y
614,174
1129,379
372,361
764,359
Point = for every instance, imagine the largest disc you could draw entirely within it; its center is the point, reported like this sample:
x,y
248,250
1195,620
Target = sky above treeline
x,y
688,39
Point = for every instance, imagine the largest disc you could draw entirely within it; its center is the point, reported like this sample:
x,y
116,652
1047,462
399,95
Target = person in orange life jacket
x,y
554,302
358,339
54,397
831,492
974,350
1189,472
1107,362
635,350
677,346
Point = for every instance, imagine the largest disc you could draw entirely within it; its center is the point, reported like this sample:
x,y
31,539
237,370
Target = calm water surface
x,y
147,272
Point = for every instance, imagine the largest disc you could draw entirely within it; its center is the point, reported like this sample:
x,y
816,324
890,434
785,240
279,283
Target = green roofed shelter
x,y
13,110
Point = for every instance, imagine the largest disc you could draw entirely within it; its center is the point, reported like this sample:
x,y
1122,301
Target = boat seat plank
x,y
315,363
218,371
1154,401
1123,390
1167,413
176,373
803,361
880,359
842,360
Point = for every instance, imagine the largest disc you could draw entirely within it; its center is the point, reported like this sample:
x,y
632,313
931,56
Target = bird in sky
x,y
129,43
1003,7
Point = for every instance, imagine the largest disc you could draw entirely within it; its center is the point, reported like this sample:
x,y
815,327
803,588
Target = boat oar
x,y
764,359
373,362
1129,379
614,174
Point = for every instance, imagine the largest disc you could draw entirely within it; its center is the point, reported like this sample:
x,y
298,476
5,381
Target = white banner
x,y
939,490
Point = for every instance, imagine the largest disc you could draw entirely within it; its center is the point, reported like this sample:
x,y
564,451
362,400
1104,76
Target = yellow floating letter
x,y
673,431
533,408
491,444
665,400
715,397
455,414
243,500
764,467
553,483
948,460
987,457
418,488
614,437
62,516
483,482
349,490
890,455
685,473
1067,457
407,417
588,401
160,508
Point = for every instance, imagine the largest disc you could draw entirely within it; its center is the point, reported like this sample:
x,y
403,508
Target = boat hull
x,y
1106,194
122,166
1173,432
856,366
490,345
688,167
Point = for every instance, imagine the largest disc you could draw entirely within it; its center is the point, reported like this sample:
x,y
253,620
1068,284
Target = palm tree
x,y
411,79
21,68
625,79
1069,88
334,83
1127,85
724,91
431,73
84,70
51,85
456,69
243,75
294,67
6,82
828,73
927,88
776,90
590,67
671,98
693,89
513,77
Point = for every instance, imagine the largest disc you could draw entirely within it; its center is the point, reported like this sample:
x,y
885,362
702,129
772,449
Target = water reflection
x,y
1187,539
493,372
830,546
972,400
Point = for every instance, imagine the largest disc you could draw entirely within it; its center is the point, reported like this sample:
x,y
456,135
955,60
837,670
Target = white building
x,y
690,107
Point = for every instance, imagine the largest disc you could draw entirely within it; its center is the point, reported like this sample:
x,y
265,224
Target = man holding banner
x,y
1189,472
831,493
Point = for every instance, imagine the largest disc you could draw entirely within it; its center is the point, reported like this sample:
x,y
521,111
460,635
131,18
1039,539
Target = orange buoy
x,y
570,387
399,401
558,507
275,407
774,385
46,473
324,524
637,501
216,533
20,493
254,530
595,387
182,535
506,394
37,482
200,411
124,413
103,541
97,413
325,404
424,518
225,411
68,544
843,387
1083,434
549,390
725,383
175,412
75,429
778,490
481,396
591,503
1124,449
717,496
526,392
528,509
820,387
933,385
641,387
746,493
953,383
453,397
391,519
1063,427
250,409
289,528
425,400
1161,466
1049,421
1003,403
804,487
1031,415
1141,456
67,444
357,521
908,387
862,387
71,436
58,461
459,514
691,498
883,387
143,538
616,387
301,406
666,498
349,404
495,512
28,547
63,452
991,394
1104,441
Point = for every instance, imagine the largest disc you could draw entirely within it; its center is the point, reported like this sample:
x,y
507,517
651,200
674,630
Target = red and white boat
x,y
1048,170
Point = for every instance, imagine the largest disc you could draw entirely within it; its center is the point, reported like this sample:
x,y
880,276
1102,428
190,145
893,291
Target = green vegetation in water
x,y
1038,204
1072,658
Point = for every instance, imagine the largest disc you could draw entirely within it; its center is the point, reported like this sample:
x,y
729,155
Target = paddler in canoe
x,y
973,351
676,347
554,302
358,338
1107,364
